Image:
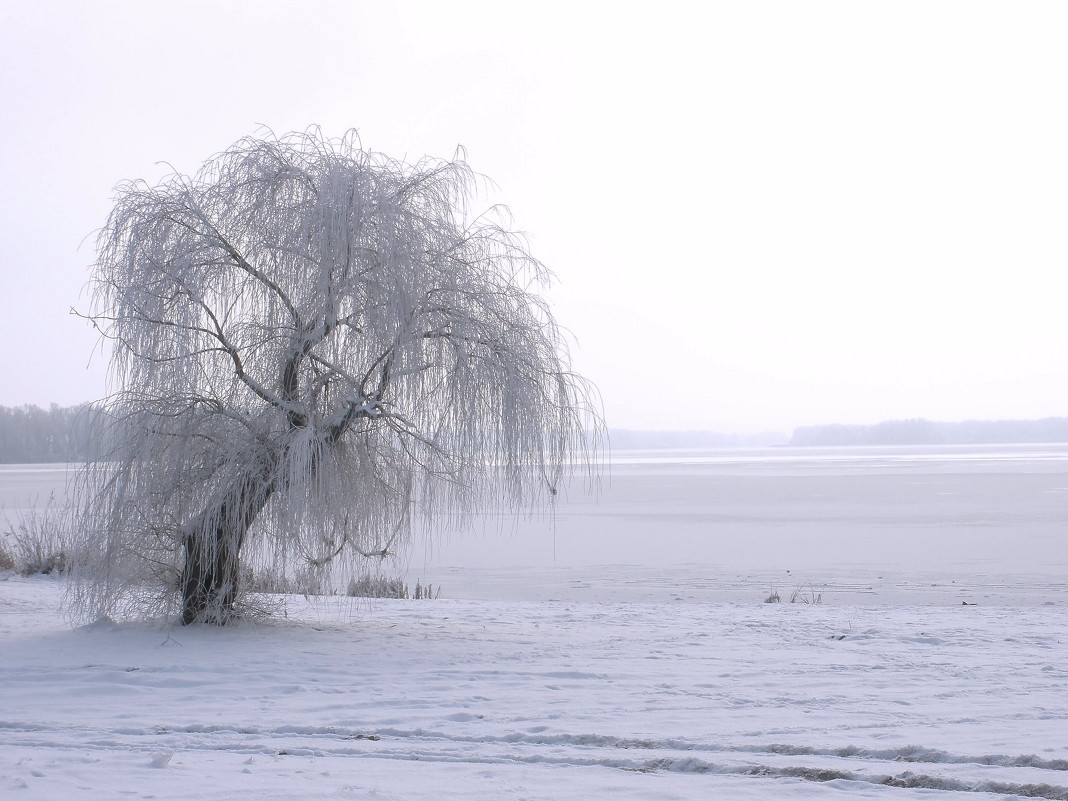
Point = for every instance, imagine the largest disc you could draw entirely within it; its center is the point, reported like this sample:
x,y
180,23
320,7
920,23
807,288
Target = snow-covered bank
x,y
336,698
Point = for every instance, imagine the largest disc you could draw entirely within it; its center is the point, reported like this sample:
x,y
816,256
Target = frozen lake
x,y
22,486
913,524
922,524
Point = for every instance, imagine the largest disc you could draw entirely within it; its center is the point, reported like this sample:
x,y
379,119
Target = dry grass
x,y
37,541
800,595
7,558
369,586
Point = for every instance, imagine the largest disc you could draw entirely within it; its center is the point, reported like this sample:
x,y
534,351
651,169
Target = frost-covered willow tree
x,y
313,346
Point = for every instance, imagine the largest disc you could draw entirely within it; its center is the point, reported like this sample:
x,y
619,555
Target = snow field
x,y
481,699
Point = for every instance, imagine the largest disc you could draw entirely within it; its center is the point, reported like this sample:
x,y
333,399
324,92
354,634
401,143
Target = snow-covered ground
x,y
655,672
477,699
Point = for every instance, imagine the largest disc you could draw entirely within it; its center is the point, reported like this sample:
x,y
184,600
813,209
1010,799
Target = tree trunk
x,y
213,543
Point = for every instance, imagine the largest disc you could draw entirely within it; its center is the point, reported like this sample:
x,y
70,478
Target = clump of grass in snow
x,y
800,595
37,541
267,580
7,559
368,586
806,596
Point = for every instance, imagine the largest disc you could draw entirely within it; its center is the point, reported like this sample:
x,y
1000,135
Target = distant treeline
x,y
62,434
890,432
31,434
621,439
927,432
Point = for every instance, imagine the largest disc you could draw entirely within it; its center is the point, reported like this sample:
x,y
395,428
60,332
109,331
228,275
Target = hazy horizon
x,y
761,215
1016,430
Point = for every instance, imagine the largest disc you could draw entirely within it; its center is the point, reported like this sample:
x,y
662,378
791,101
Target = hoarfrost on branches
x,y
315,347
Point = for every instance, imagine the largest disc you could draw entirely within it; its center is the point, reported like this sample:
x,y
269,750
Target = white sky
x,y
761,214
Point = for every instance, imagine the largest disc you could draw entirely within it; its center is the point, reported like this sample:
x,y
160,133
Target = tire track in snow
x,y
919,754
1026,776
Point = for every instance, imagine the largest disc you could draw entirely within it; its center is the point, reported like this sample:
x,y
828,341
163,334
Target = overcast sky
x,y
761,214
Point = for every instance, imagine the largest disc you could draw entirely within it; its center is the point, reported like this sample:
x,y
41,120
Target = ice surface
x,y
898,525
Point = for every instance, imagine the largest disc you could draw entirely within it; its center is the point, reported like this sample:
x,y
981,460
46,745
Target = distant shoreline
x,y
31,435
888,432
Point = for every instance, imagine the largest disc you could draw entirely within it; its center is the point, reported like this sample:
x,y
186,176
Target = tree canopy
x,y
314,348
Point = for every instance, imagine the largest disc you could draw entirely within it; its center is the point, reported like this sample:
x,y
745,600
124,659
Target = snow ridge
x,y
157,745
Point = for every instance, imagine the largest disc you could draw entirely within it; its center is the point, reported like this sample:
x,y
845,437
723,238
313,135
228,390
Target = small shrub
x,y
774,598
